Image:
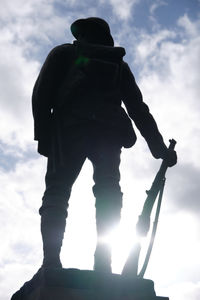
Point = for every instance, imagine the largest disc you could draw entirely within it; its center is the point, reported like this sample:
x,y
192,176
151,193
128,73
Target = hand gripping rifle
x,y
143,224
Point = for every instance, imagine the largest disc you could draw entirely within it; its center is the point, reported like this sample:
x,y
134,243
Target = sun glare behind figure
x,y
121,243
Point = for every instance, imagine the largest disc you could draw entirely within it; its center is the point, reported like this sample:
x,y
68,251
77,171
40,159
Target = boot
x,y
52,228
102,258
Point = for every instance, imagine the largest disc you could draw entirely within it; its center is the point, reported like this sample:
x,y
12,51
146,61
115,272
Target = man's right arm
x,y
46,87
43,92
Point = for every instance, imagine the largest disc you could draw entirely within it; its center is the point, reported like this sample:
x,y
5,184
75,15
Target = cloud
x,y
153,13
20,253
169,78
156,5
191,28
122,9
184,189
16,80
183,291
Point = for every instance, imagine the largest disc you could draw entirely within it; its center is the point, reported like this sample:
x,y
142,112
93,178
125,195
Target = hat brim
x,y
82,26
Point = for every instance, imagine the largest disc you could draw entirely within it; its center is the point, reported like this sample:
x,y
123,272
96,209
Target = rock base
x,y
74,284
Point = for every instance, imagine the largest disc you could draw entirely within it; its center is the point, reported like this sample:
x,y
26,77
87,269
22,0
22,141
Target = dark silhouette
x,y
77,115
70,284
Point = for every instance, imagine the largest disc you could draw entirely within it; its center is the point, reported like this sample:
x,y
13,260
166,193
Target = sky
x,y
162,42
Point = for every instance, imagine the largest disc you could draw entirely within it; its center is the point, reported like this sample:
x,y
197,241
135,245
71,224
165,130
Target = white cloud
x,y
191,28
170,79
122,9
34,22
156,5
21,249
149,45
183,291
174,249
16,81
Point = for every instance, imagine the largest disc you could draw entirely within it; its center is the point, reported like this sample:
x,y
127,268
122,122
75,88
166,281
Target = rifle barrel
x,y
143,223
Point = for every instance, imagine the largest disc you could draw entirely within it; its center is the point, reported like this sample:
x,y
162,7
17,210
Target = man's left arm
x,y
143,119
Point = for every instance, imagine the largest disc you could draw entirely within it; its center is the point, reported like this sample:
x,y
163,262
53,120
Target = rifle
x,y
143,224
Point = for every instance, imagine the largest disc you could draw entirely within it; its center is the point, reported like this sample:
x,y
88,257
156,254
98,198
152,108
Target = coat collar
x,y
100,51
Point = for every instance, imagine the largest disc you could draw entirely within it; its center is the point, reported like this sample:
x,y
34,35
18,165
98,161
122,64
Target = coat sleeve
x,y
140,114
43,94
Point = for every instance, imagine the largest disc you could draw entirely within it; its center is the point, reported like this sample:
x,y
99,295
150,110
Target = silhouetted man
x,y
77,113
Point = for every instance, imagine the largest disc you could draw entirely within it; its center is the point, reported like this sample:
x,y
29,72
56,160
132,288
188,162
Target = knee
x,y
54,206
107,188
57,190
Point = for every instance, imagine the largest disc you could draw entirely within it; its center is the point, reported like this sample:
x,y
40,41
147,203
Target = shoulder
x,y
63,47
126,71
60,50
125,67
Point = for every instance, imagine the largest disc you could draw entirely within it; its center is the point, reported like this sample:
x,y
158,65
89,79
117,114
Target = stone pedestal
x,y
74,284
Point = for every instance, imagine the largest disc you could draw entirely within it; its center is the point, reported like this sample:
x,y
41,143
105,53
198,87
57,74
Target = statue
x,y
77,115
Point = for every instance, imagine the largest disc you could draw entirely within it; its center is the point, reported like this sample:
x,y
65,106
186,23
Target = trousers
x,y
104,153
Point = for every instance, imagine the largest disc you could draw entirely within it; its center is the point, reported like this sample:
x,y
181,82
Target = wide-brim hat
x,y
93,26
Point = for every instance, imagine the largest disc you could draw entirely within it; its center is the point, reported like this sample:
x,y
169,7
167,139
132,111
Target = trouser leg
x,y
53,223
108,196
54,207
